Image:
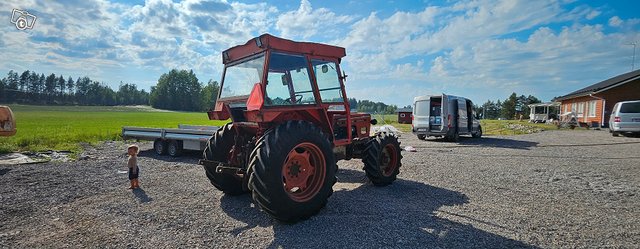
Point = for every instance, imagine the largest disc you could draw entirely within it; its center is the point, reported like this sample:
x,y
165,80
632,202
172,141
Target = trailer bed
x,y
172,140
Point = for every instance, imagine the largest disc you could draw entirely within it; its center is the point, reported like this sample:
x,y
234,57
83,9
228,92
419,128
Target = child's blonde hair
x,y
134,146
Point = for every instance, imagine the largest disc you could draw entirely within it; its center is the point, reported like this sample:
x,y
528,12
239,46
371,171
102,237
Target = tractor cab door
x,y
331,94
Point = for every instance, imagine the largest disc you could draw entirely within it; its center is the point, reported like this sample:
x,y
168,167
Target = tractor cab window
x,y
288,81
240,78
328,83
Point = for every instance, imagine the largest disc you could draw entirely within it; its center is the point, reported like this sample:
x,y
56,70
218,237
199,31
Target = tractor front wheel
x,y
382,159
218,149
293,170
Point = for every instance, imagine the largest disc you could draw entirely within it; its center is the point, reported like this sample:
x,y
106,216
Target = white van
x,y
444,116
625,118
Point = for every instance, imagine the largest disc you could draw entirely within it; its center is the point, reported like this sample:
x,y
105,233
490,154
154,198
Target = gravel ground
x,y
550,189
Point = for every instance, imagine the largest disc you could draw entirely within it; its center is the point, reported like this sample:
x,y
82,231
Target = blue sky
x,y
395,49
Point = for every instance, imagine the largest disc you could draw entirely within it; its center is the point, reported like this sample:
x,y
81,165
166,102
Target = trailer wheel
x,y
382,159
218,149
293,170
422,137
478,133
175,148
160,146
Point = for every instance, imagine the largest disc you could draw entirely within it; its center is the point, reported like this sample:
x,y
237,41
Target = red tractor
x,y
291,123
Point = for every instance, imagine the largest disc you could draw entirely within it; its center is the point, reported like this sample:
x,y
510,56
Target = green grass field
x,y
65,127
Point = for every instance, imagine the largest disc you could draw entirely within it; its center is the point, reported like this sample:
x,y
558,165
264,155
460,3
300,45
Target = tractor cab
x,y
270,80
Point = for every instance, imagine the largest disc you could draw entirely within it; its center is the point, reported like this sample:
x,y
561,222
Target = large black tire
x,y
478,133
218,149
293,170
382,159
422,137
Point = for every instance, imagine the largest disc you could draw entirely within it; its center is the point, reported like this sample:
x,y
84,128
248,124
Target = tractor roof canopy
x,y
267,41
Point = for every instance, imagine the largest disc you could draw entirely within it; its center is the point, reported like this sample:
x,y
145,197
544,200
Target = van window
x,y
422,108
630,107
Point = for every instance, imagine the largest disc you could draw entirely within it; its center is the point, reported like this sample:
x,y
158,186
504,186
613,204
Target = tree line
x,y
371,107
29,87
175,90
510,108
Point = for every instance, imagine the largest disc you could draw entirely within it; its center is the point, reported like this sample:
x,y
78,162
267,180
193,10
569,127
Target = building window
x,y
592,108
566,108
580,109
402,115
573,107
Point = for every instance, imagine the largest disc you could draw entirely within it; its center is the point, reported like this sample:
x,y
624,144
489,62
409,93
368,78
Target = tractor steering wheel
x,y
298,99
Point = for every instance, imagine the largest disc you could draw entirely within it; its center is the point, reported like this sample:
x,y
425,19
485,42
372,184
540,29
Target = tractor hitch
x,y
222,168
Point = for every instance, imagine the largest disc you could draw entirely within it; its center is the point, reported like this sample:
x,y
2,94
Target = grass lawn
x,y
65,127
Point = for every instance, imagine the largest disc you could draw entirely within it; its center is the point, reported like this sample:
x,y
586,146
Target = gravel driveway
x,y
550,189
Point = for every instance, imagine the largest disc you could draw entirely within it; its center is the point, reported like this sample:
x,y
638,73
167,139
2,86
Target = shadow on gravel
x,y
4,171
188,156
402,214
141,195
498,143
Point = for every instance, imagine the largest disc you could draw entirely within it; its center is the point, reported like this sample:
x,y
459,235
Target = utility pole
x,y
633,61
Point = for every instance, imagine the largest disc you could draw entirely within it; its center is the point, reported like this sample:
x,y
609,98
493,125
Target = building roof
x,y
544,104
602,85
404,110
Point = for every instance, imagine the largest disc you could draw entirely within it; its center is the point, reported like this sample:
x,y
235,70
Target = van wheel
x,y
452,138
615,134
478,133
422,137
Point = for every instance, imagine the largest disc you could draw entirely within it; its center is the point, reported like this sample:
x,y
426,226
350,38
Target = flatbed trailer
x,y
170,140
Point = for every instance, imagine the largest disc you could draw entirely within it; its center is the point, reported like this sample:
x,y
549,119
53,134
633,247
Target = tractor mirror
x,y
373,121
284,80
325,68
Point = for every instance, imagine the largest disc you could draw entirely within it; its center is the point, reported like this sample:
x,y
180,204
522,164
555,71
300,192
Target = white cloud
x,y
615,21
593,14
306,21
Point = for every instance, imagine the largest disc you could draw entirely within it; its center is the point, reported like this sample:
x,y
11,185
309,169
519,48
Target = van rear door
x,y
421,115
462,116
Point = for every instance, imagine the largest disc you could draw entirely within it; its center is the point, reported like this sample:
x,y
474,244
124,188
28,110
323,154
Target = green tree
x,y
70,85
509,107
209,94
177,90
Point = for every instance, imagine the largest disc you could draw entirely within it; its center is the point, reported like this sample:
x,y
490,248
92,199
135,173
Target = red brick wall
x,y
628,91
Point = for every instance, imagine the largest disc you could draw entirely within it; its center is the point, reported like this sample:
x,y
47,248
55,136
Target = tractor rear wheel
x,y
382,159
218,149
293,170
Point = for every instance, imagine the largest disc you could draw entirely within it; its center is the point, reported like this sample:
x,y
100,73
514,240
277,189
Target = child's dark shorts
x,y
132,175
